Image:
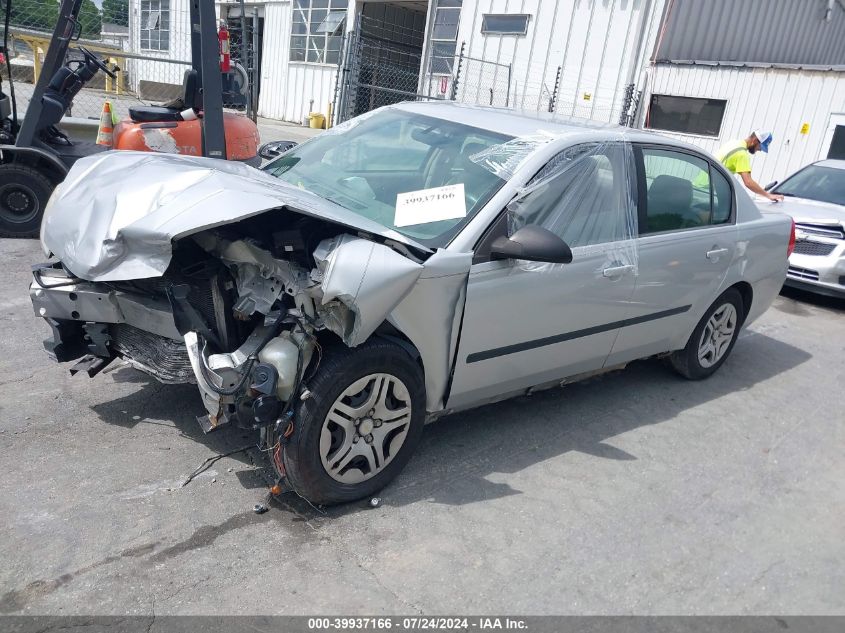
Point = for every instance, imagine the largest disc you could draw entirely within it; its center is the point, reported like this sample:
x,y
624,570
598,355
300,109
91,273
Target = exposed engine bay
x,y
213,273
242,310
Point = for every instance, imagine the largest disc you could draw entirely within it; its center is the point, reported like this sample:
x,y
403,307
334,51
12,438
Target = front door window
x,y
584,195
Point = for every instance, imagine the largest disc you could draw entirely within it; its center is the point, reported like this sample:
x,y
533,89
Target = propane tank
x,y
223,39
282,353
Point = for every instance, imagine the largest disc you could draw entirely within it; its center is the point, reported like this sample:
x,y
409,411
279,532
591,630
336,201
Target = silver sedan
x,y
418,260
815,198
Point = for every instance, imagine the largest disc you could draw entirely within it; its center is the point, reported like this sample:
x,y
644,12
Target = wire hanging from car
x,y
209,461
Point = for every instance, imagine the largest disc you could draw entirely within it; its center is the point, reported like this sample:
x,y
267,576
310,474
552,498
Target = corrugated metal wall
x,y
769,31
274,60
287,88
592,40
777,99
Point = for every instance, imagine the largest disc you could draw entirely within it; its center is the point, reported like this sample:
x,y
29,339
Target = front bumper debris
x,y
98,323
62,298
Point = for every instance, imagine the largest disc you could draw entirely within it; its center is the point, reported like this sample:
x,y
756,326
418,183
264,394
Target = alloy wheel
x,y
365,428
717,335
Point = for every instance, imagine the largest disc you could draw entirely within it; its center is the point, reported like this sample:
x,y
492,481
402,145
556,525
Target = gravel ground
x,y
632,493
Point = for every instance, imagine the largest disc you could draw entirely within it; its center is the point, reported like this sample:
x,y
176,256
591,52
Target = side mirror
x,y
271,150
532,243
771,185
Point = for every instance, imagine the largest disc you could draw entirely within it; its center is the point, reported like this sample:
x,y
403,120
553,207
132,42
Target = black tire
x,y
340,368
24,192
686,361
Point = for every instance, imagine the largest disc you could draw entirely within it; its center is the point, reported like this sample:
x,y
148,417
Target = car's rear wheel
x,y
359,427
713,338
24,193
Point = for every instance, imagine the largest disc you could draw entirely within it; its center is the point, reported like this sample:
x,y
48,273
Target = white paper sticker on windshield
x,y
430,205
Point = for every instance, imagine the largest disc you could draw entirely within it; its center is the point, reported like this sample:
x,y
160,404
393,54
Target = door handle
x,y
617,271
716,253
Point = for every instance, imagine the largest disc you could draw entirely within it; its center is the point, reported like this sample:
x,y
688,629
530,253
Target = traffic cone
x,y
105,133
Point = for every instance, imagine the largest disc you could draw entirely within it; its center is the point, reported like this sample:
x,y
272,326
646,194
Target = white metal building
x,y
770,64
703,71
521,51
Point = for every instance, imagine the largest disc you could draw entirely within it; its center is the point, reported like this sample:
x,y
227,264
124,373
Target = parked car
x,y
419,260
815,198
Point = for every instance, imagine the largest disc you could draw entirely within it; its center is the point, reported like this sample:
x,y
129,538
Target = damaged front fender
x,y
430,316
375,284
357,285
368,280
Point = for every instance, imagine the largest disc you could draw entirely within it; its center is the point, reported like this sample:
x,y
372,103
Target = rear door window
x,y
680,191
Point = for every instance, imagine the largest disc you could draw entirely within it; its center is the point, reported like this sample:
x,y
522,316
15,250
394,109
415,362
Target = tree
x,y
89,18
41,15
116,12
38,15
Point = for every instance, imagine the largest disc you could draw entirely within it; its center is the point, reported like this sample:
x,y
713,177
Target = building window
x,y
444,36
155,25
688,115
505,24
317,31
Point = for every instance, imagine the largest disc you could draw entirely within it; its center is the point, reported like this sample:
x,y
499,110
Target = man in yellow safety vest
x,y
736,156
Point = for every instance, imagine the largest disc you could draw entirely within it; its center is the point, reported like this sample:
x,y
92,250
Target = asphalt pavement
x,y
633,493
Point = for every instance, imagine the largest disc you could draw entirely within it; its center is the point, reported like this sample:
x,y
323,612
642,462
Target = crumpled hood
x,y
803,210
116,214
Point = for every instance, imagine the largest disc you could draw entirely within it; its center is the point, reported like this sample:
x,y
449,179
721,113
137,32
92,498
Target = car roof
x,y
835,163
527,122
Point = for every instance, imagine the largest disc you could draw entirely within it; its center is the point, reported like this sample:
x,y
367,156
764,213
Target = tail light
x,y
791,246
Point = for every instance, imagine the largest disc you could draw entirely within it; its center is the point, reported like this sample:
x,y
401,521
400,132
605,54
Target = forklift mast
x,y
205,60
67,29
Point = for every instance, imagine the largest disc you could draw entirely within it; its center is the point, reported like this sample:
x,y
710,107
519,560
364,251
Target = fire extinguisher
x,y
225,58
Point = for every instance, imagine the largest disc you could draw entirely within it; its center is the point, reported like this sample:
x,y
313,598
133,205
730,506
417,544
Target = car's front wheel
x,y
713,338
359,427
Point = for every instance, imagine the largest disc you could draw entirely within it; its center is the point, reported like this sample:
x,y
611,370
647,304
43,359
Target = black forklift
x,y
35,155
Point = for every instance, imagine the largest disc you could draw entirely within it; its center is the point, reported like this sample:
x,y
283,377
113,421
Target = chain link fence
x,y
387,74
481,82
382,63
147,42
246,32
537,88
381,66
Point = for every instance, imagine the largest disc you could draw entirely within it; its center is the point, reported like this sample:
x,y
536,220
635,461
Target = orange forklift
x,y
35,155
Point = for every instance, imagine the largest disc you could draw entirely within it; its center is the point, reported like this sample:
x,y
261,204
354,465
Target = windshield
x,y
407,172
815,182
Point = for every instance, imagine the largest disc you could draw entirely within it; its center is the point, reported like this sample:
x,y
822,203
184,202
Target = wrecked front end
x,y
240,315
213,273
217,275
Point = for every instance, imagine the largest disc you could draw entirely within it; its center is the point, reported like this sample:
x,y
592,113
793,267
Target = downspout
x,y
630,88
424,80
639,71
638,44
